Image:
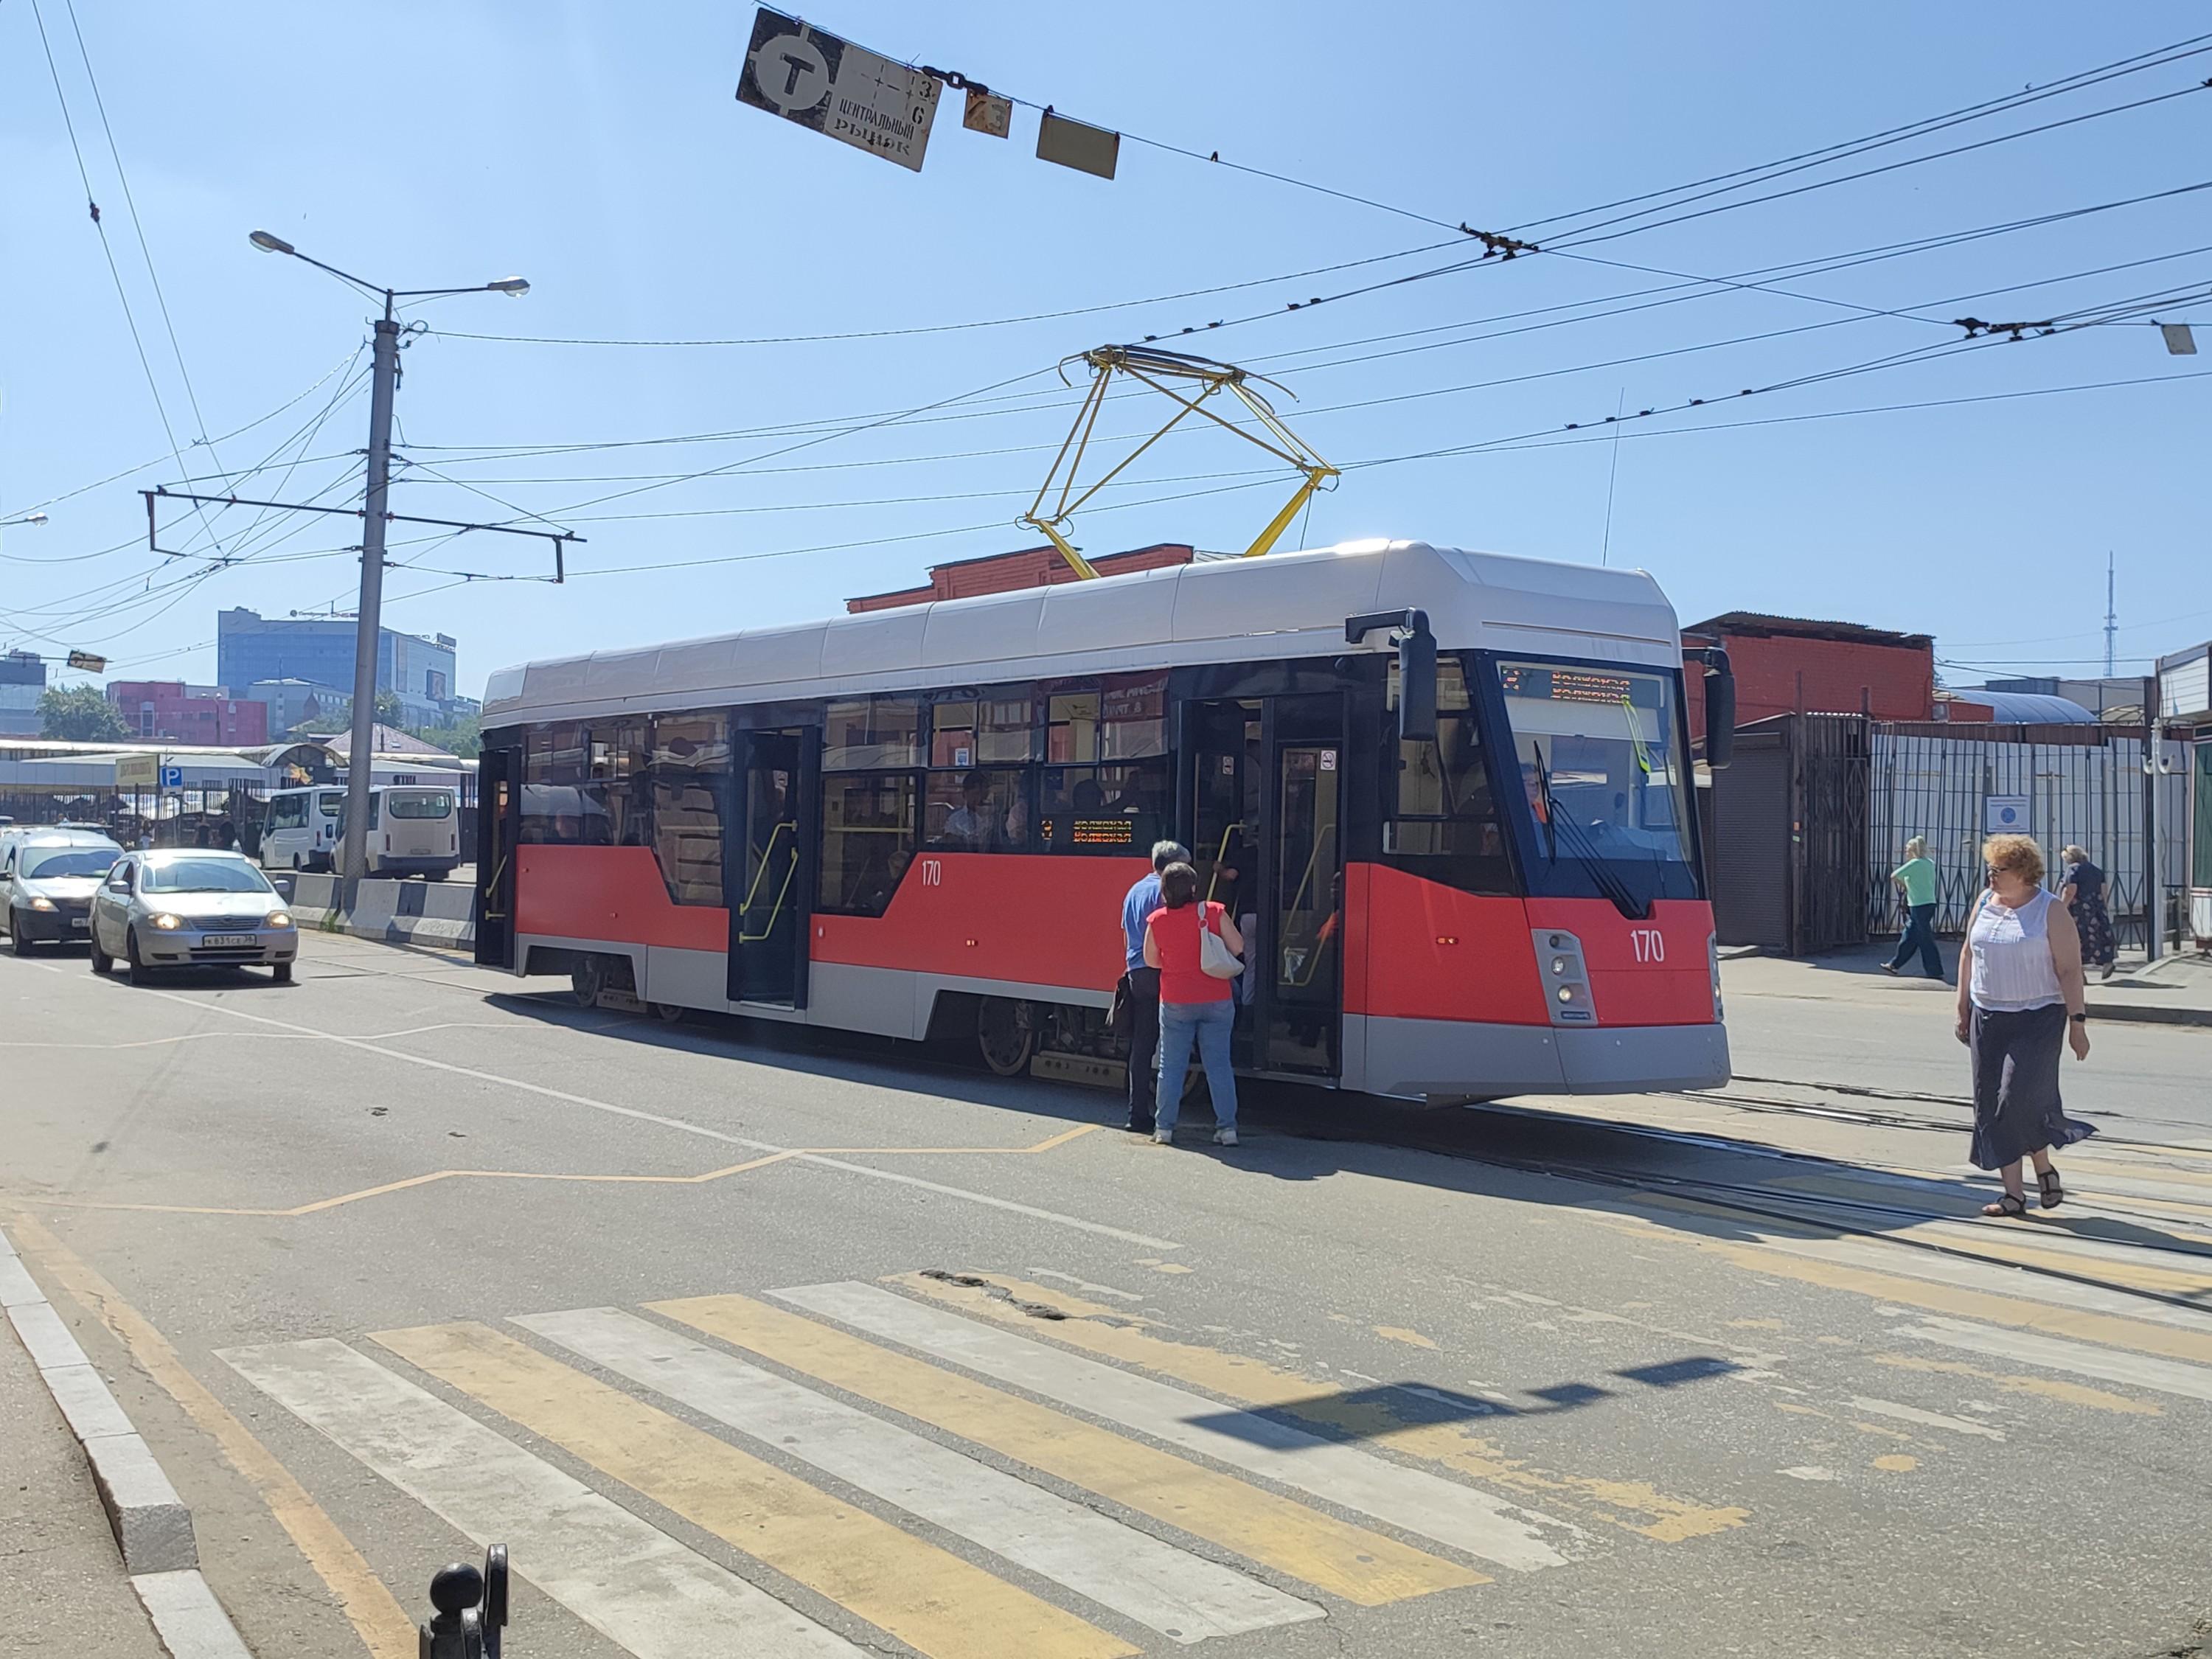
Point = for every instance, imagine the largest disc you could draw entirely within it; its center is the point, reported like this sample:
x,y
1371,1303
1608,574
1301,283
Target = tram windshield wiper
x,y
1607,880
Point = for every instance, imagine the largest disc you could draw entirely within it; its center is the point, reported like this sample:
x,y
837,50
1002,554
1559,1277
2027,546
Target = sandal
x,y
2011,1204
2054,1194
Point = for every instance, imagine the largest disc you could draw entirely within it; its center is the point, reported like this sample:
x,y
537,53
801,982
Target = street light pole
x,y
368,619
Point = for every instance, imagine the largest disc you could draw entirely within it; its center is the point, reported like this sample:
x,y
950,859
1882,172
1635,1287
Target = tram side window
x,y
1105,786
868,833
868,732
1442,823
1103,809
689,755
616,786
978,810
556,808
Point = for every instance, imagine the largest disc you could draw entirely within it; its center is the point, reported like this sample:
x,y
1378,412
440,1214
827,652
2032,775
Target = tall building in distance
x,y
22,683
250,648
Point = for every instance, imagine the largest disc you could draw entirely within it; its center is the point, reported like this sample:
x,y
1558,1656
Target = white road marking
x,y
1462,1517
621,1576
1809,1472
681,1126
1137,1575
1926,1419
2058,1354
1086,1284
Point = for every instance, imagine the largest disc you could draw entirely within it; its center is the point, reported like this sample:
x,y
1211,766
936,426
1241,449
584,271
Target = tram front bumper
x,y
1468,1060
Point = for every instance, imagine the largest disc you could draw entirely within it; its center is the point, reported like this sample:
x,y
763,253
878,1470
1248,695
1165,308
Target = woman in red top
x,y
1194,1007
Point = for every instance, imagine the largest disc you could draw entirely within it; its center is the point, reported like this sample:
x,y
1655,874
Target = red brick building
x,y
1032,566
1787,664
201,714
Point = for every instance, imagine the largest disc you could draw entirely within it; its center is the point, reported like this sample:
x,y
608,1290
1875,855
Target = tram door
x,y
1302,974
767,850
498,816
1264,809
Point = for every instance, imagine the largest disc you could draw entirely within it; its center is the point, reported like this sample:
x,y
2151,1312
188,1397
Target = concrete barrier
x,y
439,913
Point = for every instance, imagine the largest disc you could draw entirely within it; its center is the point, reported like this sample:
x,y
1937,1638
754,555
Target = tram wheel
x,y
1006,1035
586,980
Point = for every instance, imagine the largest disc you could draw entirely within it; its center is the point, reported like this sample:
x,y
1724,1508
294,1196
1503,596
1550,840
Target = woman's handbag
x,y
1214,956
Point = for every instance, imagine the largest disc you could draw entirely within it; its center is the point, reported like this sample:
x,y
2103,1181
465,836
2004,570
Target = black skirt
x,y
2016,1107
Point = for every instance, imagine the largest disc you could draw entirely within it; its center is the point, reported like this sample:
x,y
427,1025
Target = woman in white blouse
x,y
2019,999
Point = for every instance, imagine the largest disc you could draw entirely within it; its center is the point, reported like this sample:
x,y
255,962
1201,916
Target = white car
x,y
191,906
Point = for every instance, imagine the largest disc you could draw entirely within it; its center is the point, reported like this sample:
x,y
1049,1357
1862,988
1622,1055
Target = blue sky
x,y
599,151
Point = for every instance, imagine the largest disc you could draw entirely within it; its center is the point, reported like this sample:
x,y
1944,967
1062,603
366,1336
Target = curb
x,y
2138,1014
152,1526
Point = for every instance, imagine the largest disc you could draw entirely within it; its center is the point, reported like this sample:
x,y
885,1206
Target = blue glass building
x,y
251,647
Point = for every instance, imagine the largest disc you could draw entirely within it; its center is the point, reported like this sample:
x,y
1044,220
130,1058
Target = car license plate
x,y
79,921
221,939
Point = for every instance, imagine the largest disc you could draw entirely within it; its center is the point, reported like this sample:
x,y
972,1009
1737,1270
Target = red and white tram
x,y
921,822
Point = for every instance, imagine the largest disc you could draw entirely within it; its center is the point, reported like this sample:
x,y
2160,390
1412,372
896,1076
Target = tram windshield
x,y
1605,781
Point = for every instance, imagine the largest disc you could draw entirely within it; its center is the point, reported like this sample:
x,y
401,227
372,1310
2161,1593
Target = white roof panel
x,y
1284,605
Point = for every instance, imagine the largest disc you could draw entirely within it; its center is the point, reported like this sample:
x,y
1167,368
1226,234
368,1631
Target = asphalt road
x,y
750,1343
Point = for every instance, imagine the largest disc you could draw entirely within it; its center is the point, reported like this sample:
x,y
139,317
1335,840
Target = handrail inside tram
x,y
781,893
1213,879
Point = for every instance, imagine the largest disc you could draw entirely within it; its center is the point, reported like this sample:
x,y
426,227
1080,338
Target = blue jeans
x,y
1208,1025
1920,934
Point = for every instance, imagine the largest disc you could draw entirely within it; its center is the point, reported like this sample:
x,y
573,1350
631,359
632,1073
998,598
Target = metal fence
x,y
2084,787
198,816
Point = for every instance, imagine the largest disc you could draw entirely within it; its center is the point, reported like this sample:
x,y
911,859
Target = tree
x,y
80,713
464,737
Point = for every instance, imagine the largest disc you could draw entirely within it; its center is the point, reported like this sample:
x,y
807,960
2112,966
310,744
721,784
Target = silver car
x,y
191,906
47,878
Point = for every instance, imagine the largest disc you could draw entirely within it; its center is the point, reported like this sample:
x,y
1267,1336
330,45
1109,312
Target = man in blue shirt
x,y
1144,993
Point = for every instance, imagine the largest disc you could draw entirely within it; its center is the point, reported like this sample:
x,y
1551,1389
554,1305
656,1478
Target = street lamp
x,y
368,619
28,518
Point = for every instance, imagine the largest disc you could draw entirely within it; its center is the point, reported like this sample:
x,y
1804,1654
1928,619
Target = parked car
x,y
47,878
191,906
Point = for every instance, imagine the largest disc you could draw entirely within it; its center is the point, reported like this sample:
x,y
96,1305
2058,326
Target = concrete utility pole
x,y
368,625
368,622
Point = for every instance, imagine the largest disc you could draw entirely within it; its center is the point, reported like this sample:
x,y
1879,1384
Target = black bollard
x,y
472,1610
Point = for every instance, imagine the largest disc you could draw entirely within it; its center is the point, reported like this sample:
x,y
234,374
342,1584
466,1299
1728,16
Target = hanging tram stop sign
x,y
838,89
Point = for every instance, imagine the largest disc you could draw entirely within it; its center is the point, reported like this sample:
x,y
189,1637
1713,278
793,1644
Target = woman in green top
x,y
1917,880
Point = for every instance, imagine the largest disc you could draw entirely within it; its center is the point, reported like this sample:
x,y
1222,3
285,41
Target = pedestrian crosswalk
x,y
1085,1512
980,1466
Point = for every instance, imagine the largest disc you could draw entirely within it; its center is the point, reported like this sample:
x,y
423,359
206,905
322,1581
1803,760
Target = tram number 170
x,y
1649,944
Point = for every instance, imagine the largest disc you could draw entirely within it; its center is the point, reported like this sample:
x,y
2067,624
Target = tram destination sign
x,y
835,88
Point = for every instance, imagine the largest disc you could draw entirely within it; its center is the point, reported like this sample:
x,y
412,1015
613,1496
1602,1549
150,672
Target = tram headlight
x,y
1559,966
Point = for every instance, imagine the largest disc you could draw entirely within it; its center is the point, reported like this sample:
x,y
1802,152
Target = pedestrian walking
x,y
1195,1006
2018,1000
2081,890
1140,986
1917,880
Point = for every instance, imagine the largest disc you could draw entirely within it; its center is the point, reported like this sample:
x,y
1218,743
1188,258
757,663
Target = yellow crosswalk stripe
x,y
927,1597
1360,1566
1374,1416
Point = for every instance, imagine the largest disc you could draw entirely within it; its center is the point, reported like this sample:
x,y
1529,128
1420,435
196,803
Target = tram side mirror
x,y
1416,668
1720,709
1417,686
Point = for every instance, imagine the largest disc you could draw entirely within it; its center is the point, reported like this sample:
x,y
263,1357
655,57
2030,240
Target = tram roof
x,y
1284,605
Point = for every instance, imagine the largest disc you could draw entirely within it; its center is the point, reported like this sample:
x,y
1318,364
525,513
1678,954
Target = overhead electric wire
x,y
339,367
957,328
138,228
1688,287
1941,348
129,319
2155,58
1581,238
